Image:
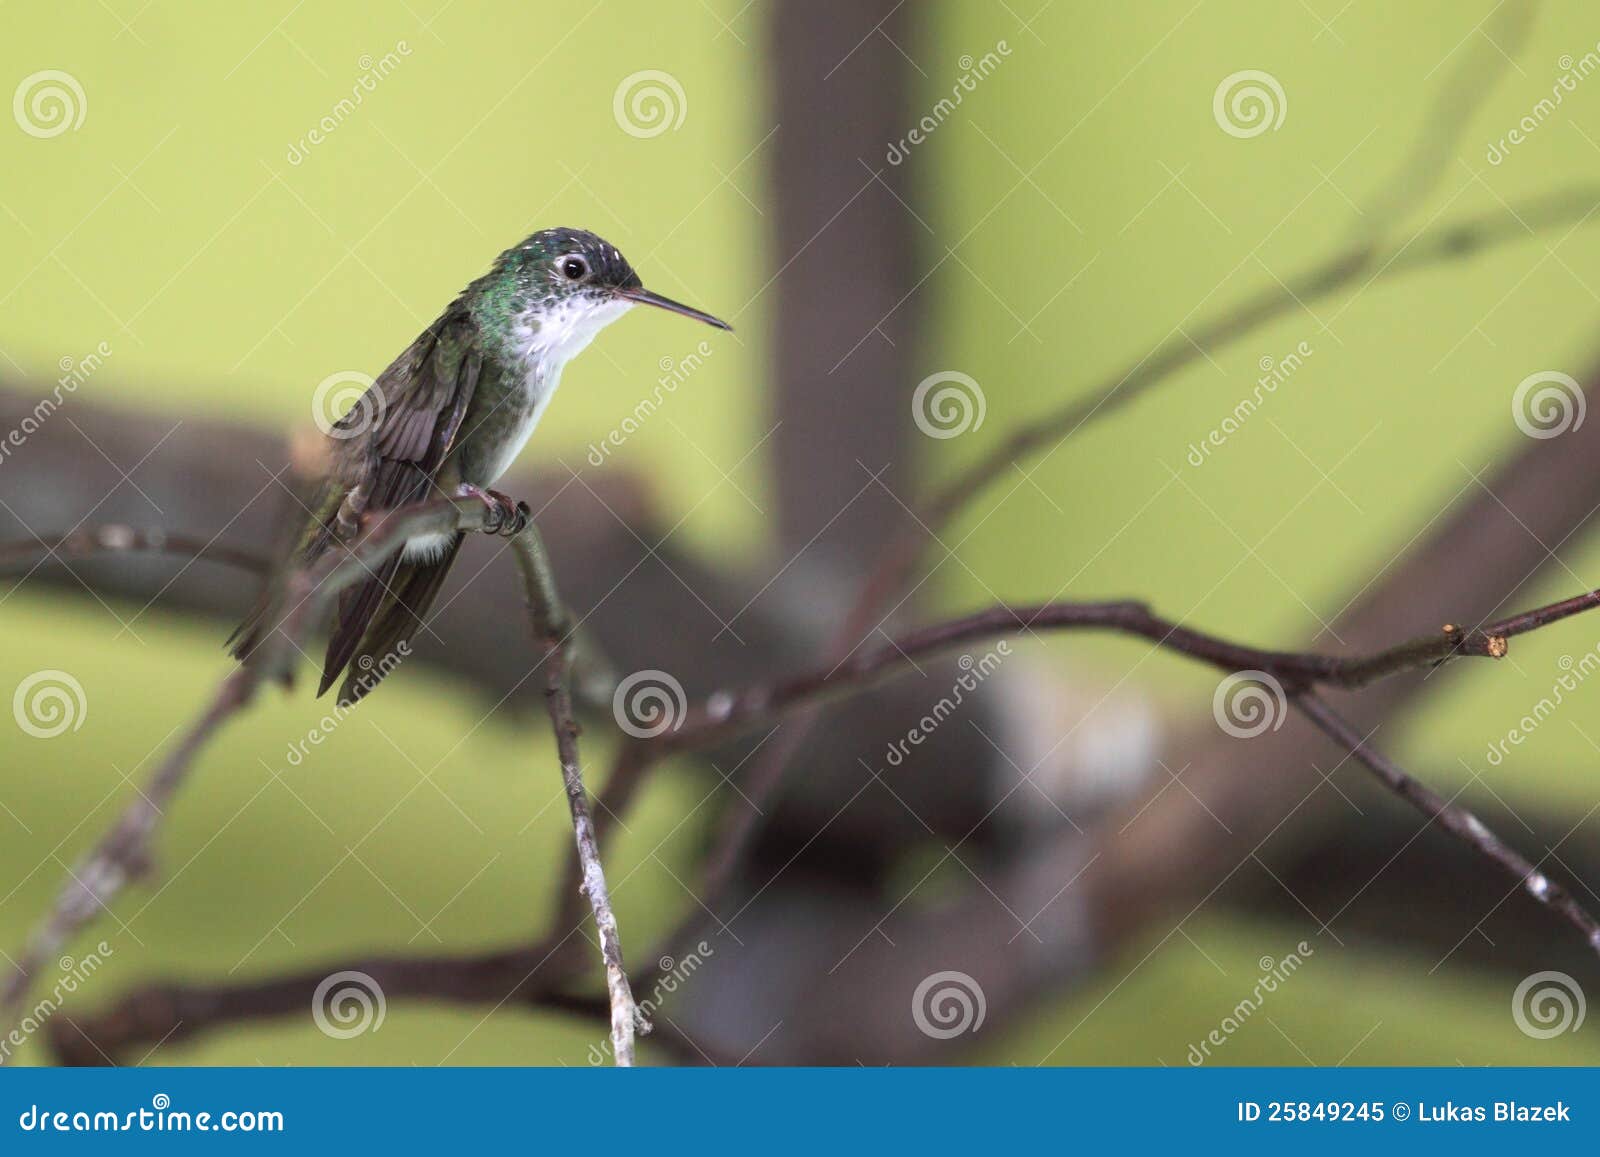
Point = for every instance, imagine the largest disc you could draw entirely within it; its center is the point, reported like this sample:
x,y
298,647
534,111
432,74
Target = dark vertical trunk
x,y
844,313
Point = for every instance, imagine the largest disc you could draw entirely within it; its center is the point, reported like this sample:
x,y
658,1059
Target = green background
x,y
1094,208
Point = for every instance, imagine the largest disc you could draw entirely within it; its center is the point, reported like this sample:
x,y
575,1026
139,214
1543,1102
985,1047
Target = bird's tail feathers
x,y
375,631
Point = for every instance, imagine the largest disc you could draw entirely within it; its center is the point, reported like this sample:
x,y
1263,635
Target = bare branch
x,y
1368,259
170,1012
629,770
1458,821
761,705
118,538
731,715
727,715
550,631
165,1013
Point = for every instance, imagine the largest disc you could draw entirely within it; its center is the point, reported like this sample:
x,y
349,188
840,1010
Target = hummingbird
x,y
446,419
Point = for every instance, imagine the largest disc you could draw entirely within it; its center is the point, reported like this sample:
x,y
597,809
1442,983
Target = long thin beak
x,y
645,297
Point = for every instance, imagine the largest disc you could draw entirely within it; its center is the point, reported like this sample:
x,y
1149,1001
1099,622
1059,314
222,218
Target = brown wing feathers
x,y
418,426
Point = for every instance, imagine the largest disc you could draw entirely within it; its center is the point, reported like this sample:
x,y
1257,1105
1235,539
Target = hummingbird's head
x,y
575,282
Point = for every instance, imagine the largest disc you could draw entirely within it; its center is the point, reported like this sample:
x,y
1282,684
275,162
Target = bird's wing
x,y
414,410
410,416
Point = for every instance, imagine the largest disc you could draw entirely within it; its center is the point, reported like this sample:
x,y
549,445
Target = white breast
x,y
564,331
544,344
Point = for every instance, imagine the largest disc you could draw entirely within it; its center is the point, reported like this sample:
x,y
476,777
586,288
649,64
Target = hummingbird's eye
x,y
574,268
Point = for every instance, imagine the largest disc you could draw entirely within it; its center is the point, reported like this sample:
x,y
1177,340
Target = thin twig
x,y
119,538
1458,821
629,770
727,715
550,628
162,1014
1545,615
1371,259
167,1013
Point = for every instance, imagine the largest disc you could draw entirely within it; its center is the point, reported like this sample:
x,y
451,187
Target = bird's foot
x,y
507,516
